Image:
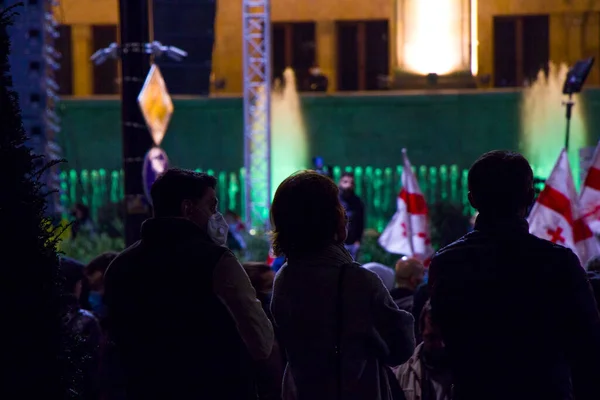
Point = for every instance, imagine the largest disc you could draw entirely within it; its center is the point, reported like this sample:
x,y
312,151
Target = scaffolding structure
x,y
256,22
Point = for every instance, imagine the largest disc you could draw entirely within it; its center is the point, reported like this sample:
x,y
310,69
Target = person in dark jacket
x,y
94,271
409,275
323,301
420,299
355,212
181,310
516,312
85,354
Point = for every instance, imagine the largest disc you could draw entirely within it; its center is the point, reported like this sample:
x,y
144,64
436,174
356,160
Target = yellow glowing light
x,y
474,39
433,36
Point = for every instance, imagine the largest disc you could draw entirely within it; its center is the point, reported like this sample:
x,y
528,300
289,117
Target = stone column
x,y
81,42
327,51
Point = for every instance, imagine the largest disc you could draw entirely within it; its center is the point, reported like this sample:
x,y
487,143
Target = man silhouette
x,y
180,308
516,312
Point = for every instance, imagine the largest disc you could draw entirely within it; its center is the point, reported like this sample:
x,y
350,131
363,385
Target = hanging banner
x,y
155,163
156,104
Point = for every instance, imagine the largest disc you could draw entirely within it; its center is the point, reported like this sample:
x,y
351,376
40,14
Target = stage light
x,y
100,56
158,49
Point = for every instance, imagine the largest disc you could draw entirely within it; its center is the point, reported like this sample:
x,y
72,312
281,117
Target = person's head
x,y
73,276
385,273
306,214
346,183
81,212
185,194
432,339
261,276
96,268
593,264
410,273
501,184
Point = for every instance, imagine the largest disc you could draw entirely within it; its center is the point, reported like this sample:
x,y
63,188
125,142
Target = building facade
x,y
357,43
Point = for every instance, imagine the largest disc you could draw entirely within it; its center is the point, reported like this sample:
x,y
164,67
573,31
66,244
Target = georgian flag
x,y
408,231
555,215
589,200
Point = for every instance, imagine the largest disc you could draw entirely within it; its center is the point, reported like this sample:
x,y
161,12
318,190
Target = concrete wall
x,y
227,54
438,129
574,26
574,29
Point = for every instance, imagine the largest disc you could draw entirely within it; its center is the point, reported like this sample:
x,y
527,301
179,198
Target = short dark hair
x,y
306,214
174,186
501,182
101,262
347,174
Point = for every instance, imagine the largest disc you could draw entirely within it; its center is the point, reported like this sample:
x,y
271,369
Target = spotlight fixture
x,y
574,84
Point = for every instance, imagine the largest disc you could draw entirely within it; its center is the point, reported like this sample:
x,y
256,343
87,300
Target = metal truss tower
x,y
256,20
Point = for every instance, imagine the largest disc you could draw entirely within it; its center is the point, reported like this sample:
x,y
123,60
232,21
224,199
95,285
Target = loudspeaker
x,y
189,25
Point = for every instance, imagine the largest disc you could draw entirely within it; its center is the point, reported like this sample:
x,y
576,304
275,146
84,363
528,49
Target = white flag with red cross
x,y
555,215
408,231
589,200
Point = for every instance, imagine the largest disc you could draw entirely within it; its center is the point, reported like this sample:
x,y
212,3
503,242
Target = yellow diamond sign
x,y
156,105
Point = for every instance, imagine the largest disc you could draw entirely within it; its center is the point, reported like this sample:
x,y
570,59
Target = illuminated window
x,y
434,36
521,49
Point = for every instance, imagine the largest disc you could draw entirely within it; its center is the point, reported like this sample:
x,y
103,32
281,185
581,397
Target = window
x,y
64,76
521,49
293,45
362,55
188,25
105,74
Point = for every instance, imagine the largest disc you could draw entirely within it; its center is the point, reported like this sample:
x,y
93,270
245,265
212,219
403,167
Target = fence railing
x,y
377,187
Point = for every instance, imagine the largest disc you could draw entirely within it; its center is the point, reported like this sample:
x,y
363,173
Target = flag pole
x,y
569,110
409,227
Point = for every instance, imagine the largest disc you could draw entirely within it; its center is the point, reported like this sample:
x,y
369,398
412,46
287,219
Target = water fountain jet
x,y
289,152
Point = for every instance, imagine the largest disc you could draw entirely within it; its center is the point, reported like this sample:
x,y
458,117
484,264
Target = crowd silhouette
x,y
498,314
